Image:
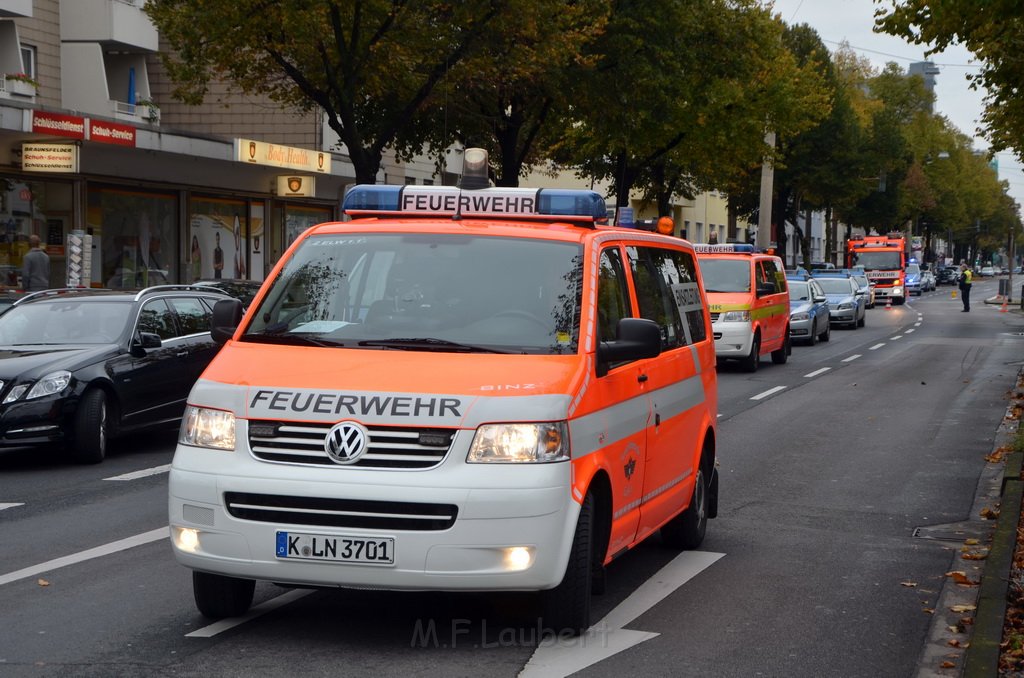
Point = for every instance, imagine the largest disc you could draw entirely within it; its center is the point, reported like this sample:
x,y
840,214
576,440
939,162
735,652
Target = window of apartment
x,y
28,60
410,181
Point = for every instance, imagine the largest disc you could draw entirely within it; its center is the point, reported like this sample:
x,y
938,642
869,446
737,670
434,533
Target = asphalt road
x,y
829,465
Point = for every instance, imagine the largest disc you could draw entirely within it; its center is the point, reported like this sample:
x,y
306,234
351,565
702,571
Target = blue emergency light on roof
x,y
500,203
731,248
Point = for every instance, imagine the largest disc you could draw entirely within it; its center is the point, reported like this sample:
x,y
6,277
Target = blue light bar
x,y
501,203
733,248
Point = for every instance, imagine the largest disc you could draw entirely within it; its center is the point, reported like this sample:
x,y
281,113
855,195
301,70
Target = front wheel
x,y
827,334
567,606
91,428
687,530
780,356
753,359
218,596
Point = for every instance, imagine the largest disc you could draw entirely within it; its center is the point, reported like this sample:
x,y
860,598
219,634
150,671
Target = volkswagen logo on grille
x,y
346,442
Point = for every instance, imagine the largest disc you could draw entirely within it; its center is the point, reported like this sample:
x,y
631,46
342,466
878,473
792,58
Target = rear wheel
x,y
780,356
91,428
218,596
686,530
753,359
567,606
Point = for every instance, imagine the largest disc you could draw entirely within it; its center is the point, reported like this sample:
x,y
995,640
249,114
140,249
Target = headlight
x,y
520,443
204,427
52,383
735,317
897,290
800,316
845,307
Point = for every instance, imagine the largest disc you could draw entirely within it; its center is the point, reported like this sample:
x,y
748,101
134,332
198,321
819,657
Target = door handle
x,y
657,419
642,378
181,354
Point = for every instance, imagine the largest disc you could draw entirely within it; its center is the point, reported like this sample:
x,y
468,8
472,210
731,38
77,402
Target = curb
x,y
982,657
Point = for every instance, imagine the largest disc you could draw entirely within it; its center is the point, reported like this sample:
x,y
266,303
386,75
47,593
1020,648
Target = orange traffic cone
x,y
953,294
888,304
1003,308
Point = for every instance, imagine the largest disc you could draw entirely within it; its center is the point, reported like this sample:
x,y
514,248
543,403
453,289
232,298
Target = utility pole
x,y
764,210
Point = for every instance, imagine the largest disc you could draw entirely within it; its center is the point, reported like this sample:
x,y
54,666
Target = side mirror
x,y
636,338
143,341
820,299
227,314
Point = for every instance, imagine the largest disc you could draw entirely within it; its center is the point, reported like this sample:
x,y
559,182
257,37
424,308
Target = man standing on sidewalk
x,y
966,277
35,267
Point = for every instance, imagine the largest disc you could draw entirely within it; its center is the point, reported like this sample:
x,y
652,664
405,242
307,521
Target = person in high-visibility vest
x,y
966,277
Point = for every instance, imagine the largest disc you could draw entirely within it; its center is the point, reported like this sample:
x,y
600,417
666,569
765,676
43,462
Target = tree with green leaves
x,y
370,65
992,30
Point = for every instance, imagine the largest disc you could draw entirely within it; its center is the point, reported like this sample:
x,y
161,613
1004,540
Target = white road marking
x,y
917,324
134,475
258,611
908,331
769,392
815,373
7,506
877,346
89,554
851,358
898,336
558,658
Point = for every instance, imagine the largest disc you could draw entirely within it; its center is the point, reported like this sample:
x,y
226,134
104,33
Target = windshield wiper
x,y
289,340
418,343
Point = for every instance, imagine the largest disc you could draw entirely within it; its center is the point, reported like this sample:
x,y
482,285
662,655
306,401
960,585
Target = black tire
x,y
813,340
827,334
687,530
753,359
780,356
218,596
92,429
863,320
566,608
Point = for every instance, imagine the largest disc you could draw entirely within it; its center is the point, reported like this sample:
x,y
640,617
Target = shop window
x,y
134,237
219,237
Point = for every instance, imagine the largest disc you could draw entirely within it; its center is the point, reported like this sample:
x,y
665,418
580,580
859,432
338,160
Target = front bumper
x,y
42,421
497,509
801,329
733,339
844,316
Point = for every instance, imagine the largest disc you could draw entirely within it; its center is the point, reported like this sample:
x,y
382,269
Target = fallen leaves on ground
x,y
960,577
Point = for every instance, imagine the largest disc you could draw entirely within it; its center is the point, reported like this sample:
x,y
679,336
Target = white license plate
x,y
333,548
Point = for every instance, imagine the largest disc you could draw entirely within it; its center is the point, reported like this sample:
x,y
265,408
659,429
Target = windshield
x,y
835,285
878,261
799,291
65,321
913,269
725,275
428,292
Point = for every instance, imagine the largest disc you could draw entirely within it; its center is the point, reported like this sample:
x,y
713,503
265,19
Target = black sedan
x,y
945,276
80,367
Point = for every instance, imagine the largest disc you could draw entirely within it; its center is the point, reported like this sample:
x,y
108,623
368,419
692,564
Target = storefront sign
x,y
49,157
72,126
289,157
111,133
290,186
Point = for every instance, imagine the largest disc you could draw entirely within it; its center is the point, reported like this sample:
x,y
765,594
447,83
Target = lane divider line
x,y
257,611
815,373
135,475
851,358
877,346
88,554
908,331
11,505
769,392
898,336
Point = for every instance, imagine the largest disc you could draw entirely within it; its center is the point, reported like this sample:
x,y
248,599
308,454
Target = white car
x,y
988,272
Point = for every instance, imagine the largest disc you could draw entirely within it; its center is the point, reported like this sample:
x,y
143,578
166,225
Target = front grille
x,y
328,512
391,447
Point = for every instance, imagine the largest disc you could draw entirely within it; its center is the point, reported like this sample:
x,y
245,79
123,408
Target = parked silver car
x,y
809,318
845,306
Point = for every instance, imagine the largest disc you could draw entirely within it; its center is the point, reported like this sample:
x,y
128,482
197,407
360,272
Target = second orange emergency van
x,y
475,389
749,302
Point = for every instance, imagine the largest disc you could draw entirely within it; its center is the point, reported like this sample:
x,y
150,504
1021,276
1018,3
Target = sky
x,y
853,21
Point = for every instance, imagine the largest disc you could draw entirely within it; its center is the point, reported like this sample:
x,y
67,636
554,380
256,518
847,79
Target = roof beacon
x,y
474,169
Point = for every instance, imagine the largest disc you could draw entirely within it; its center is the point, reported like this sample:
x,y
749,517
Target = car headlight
x,y
204,427
845,307
800,316
897,290
51,384
735,317
520,443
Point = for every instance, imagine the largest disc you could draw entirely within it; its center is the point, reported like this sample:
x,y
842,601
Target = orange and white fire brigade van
x,y
460,389
749,302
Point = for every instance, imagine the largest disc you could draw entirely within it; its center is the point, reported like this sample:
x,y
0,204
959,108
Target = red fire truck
x,y
884,261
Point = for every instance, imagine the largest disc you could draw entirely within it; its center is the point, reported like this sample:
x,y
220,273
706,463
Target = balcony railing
x,y
138,111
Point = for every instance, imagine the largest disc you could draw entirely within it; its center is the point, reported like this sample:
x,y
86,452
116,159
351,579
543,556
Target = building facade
x,y
91,143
